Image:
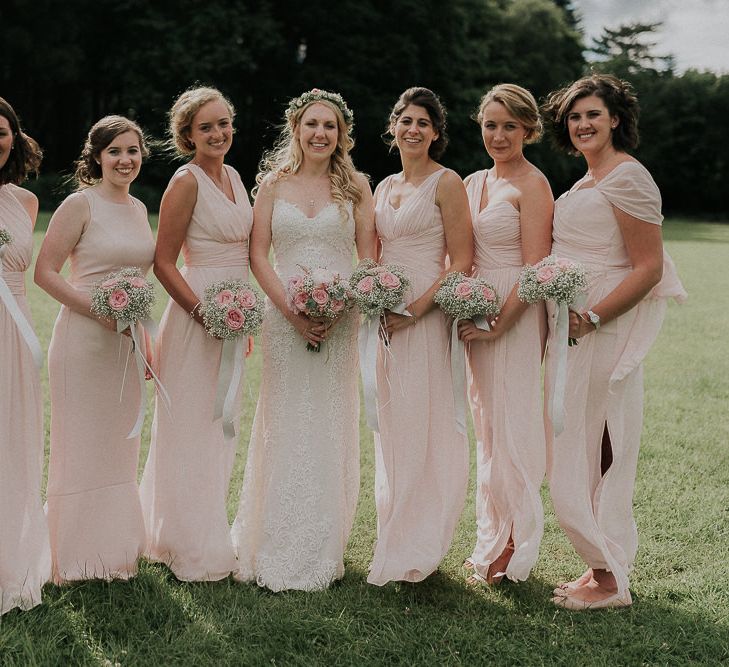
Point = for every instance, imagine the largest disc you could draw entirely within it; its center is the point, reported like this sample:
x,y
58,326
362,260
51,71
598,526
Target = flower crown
x,y
316,94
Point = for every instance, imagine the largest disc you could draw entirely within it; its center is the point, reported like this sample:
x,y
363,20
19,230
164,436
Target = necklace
x,y
314,194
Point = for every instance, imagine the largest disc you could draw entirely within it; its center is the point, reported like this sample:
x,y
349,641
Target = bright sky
x,y
696,32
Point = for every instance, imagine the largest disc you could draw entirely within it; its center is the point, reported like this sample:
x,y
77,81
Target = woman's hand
x,y
312,332
579,326
392,322
468,332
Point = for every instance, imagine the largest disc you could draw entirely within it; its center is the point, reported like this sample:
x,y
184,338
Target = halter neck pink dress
x,y
506,401
25,557
184,487
421,460
94,515
604,372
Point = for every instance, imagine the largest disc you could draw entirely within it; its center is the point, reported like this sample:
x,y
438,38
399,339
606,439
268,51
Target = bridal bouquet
x,y
376,288
5,237
465,298
232,308
125,296
319,294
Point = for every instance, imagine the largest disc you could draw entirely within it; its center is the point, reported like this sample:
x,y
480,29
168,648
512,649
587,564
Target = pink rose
x,y
234,319
137,282
246,298
563,263
320,296
488,293
109,283
366,284
463,290
118,299
546,273
337,305
295,283
389,280
224,297
300,300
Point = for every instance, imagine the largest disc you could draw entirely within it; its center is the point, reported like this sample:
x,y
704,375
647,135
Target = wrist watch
x,y
593,318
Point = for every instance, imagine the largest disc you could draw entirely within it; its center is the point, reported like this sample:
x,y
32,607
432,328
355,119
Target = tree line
x,y
63,66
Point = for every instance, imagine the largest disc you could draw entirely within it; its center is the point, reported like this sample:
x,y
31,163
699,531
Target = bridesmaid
x,y
421,460
611,222
25,557
94,515
206,215
512,206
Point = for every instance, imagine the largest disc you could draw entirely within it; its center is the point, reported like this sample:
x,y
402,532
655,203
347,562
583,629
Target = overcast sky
x,y
696,32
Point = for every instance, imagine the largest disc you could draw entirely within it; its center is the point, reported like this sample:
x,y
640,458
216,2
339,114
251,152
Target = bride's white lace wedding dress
x,y
302,474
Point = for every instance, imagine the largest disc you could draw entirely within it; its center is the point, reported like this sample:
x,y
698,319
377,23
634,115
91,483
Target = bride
x,y
302,475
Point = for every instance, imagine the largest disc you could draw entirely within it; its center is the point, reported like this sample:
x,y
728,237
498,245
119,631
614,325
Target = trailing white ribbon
x,y
458,370
230,376
24,328
369,334
142,364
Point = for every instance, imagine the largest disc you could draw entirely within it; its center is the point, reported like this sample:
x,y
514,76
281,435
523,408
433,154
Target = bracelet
x,y
194,309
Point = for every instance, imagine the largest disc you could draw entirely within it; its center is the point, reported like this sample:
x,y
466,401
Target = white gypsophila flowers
x,y
6,238
463,298
552,279
377,288
123,295
232,308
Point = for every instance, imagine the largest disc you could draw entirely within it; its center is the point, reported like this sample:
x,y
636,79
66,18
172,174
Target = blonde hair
x,y
520,103
286,156
183,113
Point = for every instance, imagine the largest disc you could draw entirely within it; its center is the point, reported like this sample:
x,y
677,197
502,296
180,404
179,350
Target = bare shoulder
x,y
534,181
450,183
183,181
75,204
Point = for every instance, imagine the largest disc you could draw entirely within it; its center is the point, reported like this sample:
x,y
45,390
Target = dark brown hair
x,y
619,98
25,156
428,100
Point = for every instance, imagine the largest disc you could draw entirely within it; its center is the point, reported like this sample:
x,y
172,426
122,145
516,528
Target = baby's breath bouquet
x,y
125,296
232,308
377,288
466,298
6,237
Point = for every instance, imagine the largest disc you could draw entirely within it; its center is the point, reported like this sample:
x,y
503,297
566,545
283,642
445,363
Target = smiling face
x,y
414,131
6,140
121,160
317,132
211,131
590,125
503,135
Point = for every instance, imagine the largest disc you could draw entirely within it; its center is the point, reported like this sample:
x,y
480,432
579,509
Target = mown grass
x,y
680,582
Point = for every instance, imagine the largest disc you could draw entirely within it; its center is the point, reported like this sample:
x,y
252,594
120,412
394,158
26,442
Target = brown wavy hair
x,y
25,156
183,113
428,100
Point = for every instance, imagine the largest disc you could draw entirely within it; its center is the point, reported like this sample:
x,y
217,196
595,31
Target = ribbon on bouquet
x,y
24,328
559,376
230,377
142,365
458,370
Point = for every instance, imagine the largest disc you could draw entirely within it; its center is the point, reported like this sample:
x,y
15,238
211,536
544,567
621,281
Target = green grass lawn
x,y
680,583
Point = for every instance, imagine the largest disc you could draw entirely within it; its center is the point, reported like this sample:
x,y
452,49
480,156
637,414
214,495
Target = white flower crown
x,y
316,94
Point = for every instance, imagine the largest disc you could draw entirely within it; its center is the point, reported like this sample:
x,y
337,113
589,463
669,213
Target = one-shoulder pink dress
x,y
506,401
421,460
185,483
604,371
25,557
94,515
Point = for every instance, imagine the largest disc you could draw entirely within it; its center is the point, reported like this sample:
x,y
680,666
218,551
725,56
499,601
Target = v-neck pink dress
x,y
25,557
185,483
421,460
605,372
506,401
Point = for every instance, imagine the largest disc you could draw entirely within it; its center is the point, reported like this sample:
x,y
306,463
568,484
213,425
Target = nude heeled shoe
x,y
616,601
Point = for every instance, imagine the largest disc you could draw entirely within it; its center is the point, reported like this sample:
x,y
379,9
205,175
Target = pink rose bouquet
x,y
125,296
377,288
232,308
319,294
465,298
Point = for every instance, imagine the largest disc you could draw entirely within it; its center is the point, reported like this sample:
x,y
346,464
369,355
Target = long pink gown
x,y
506,401
421,461
184,487
604,372
25,557
94,515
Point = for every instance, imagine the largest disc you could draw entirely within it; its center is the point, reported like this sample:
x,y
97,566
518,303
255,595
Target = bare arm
x,y
643,241
364,220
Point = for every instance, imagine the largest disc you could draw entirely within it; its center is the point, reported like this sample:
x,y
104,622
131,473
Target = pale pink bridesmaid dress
x,y
25,557
605,371
185,483
94,515
506,401
421,461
